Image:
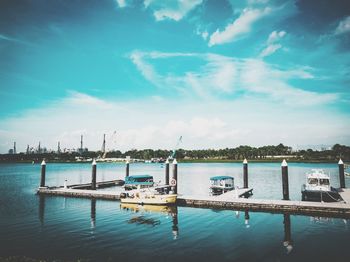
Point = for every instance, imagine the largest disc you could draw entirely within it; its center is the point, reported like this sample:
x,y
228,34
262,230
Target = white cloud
x,y
205,35
149,123
343,27
15,40
221,75
259,77
242,25
275,36
174,10
121,3
270,49
216,76
272,43
77,98
252,2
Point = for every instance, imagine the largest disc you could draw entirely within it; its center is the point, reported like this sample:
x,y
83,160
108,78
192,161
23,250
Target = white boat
x,y
318,188
221,184
149,196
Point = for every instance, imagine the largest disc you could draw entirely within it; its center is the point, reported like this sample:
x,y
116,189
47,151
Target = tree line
x,y
263,153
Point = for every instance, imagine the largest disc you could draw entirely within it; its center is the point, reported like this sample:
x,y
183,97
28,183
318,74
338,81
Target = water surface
x,y
70,228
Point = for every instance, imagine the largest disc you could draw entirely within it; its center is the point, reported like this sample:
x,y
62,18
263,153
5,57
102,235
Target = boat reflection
x,y
172,211
142,220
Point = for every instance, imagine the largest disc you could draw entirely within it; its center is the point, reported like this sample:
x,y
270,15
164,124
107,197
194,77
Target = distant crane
x,y
112,139
173,154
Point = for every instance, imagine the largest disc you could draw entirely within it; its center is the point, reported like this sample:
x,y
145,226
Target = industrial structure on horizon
x,y
39,149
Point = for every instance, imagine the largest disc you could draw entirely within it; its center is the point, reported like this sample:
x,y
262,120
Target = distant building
x,y
11,151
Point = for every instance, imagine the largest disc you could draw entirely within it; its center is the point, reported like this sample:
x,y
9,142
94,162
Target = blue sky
x,y
220,73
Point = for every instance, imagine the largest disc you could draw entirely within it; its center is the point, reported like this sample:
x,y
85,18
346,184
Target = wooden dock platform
x,y
84,193
228,201
339,209
345,194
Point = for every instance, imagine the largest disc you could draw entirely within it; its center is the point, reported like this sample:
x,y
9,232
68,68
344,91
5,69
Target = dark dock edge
x,y
322,211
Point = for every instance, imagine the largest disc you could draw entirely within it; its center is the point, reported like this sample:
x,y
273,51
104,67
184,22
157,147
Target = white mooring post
x,y
43,173
127,168
167,171
245,173
93,175
285,186
173,181
341,174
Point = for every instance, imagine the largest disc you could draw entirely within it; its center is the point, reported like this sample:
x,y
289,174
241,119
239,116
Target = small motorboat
x,y
318,188
148,196
144,181
221,184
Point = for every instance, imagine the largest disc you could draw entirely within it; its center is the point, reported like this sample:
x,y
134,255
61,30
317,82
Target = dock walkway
x,y
228,201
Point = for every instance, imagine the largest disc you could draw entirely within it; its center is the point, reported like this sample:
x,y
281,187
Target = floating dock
x,y
235,199
227,200
335,209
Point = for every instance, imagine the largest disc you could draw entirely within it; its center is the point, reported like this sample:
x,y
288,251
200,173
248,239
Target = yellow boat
x,y
148,196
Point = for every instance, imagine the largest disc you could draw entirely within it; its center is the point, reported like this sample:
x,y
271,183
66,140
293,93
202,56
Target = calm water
x,y
68,228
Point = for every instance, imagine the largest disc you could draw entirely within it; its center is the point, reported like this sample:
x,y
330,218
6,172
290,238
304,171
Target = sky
x,y
219,73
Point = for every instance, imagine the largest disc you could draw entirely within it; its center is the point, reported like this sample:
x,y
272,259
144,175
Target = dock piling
x,y
93,176
43,173
341,174
173,181
127,168
167,172
285,186
245,173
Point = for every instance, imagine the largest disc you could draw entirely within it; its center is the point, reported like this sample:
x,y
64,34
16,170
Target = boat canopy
x,y
221,178
139,179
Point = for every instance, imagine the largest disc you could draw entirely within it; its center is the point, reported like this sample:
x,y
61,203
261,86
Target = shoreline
x,y
213,161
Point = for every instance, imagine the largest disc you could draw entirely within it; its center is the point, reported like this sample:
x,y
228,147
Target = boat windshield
x,y
324,182
312,181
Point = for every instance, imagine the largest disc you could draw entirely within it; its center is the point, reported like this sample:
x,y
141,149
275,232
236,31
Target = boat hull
x,y
152,200
319,195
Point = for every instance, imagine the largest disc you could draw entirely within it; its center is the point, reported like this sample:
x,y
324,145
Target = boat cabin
x,y
318,180
221,184
132,182
318,188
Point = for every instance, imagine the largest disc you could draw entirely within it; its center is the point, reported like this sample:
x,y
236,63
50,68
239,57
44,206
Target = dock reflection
x,y
41,209
140,215
287,242
93,213
246,219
